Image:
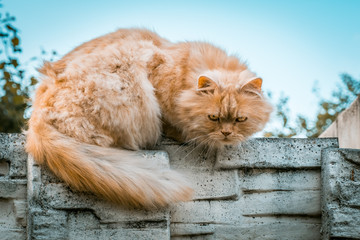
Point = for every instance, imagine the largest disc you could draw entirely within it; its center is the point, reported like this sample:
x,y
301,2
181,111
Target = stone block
x,y
340,194
20,210
212,185
4,167
86,225
191,229
12,234
13,188
345,223
260,228
49,225
12,151
306,203
12,219
82,215
279,153
220,211
262,180
269,229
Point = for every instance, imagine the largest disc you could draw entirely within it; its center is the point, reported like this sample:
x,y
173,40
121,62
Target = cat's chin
x,y
227,141
232,140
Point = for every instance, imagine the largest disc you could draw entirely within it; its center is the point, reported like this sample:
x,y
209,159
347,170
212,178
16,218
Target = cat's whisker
x,y
187,144
197,144
180,147
195,138
191,151
210,148
205,144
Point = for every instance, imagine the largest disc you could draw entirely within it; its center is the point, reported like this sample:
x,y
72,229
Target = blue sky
x,y
290,44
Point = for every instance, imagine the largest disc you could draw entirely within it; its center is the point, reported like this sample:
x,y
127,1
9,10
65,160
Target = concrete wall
x,y
13,184
341,194
261,189
346,127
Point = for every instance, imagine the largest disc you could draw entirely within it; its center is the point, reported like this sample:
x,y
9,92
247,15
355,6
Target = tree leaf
x,y
18,99
11,28
15,41
7,76
14,62
34,81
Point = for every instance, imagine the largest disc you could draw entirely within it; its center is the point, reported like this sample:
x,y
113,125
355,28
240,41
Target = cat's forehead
x,y
230,79
229,104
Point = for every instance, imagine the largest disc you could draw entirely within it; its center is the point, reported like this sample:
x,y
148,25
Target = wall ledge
x,y
260,189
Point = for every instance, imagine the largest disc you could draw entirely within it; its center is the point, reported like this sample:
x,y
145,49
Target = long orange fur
x,y
116,93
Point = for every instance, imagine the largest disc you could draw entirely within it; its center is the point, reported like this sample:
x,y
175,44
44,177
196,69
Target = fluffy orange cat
x,y
115,94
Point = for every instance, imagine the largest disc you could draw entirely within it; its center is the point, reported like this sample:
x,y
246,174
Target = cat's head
x,y
224,108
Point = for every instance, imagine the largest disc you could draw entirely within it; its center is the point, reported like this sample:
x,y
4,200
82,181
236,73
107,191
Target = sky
x,y
290,44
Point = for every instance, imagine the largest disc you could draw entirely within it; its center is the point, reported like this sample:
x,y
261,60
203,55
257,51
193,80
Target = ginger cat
x,y
115,94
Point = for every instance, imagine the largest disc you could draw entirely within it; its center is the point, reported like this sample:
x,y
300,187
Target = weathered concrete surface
x,y
268,189
346,127
277,194
278,153
13,185
341,194
57,212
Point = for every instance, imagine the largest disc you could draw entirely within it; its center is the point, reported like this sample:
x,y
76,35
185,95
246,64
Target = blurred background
x,y
306,51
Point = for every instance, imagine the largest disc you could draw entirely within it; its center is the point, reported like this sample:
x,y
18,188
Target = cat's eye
x,y
241,119
213,118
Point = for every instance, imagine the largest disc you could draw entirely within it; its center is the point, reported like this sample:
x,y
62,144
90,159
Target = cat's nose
x,y
225,133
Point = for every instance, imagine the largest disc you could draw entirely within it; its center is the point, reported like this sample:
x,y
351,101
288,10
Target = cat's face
x,y
215,115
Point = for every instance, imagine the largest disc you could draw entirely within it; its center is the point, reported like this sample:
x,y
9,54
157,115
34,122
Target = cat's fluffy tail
x,y
116,175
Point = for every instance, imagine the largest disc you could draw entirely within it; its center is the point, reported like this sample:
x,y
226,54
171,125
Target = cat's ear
x,y
205,84
254,83
253,86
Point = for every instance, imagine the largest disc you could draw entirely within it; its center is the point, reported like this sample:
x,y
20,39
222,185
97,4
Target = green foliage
x,y
14,88
328,110
282,113
15,85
